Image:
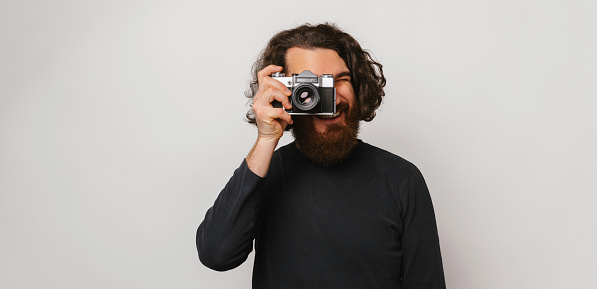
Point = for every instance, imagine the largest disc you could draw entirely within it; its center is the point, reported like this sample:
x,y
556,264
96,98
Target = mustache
x,y
303,120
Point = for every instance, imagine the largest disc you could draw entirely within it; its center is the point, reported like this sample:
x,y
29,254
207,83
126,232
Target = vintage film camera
x,y
311,94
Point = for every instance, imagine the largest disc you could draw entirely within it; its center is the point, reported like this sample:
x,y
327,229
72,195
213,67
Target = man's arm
x,y
271,121
225,237
421,260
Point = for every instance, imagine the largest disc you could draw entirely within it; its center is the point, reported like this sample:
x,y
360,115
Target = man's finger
x,y
271,82
267,71
278,113
267,97
283,98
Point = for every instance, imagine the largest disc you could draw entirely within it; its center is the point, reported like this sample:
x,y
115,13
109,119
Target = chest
x,y
344,217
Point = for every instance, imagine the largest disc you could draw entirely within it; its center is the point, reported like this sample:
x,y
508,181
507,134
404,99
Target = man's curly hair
x,y
366,74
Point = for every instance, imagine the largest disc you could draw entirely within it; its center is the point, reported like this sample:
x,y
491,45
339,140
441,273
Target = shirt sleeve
x,y
225,237
421,260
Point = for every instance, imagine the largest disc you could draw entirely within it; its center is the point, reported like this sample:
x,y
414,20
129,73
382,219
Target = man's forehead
x,y
317,60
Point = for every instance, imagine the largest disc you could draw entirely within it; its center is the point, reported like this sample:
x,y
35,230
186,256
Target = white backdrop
x,y
120,121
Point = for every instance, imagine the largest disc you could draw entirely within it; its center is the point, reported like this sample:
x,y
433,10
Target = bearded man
x,y
327,210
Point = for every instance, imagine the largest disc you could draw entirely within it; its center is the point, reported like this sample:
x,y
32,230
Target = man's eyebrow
x,y
342,74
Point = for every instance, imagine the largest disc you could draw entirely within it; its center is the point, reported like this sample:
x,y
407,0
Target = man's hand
x,y
271,121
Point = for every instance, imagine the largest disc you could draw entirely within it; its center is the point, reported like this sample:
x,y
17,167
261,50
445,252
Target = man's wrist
x,y
267,141
259,157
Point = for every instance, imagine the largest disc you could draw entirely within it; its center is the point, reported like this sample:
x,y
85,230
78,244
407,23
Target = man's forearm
x,y
260,156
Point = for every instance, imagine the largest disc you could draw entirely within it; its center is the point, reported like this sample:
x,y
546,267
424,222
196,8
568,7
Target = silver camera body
x,y
311,94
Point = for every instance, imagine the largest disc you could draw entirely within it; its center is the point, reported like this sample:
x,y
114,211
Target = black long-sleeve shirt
x,y
367,223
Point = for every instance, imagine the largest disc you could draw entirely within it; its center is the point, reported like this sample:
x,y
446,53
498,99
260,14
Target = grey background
x,y
120,121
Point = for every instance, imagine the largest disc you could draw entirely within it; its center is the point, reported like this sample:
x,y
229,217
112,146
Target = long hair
x,y
366,74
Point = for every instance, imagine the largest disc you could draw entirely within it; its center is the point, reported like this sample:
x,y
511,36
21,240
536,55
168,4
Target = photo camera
x,y
311,94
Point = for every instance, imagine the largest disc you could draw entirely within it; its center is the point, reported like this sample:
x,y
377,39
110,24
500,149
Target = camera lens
x,y
305,97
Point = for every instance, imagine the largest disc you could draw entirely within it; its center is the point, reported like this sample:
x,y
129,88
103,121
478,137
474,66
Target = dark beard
x,y
333,146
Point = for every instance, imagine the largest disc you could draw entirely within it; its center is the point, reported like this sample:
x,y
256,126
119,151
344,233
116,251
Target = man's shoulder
x,y
397,171
385,158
